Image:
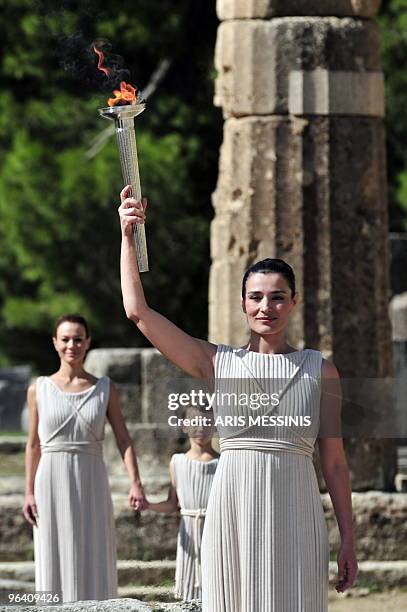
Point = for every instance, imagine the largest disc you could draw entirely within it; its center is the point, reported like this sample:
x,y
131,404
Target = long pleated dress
x,y
193,479
74,543
265,542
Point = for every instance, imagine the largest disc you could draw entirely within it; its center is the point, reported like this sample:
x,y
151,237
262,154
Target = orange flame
x,y
101,59
126,95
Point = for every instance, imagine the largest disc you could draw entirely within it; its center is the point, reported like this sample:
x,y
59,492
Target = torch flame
x,y
126,95
101,59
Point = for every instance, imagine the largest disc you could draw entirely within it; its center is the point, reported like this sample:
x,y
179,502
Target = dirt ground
x,y
391,601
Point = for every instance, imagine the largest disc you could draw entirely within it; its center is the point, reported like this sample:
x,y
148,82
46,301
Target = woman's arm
x,y
171,504
32,458
194,356
336,473
126,448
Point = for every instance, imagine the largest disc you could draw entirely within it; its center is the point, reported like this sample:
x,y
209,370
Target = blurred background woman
x,y
67,498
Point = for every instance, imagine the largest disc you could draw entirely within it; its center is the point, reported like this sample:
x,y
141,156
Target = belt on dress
x,y
263,444
94,448
197,514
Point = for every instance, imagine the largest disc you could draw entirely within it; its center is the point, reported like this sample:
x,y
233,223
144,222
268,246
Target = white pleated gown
x,y
74,543
265,542
193,479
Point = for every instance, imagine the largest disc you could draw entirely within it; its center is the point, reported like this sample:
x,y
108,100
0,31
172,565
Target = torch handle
x,y
126,138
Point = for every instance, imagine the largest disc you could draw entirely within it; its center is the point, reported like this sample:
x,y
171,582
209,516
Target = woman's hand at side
x,y
193,355
30,510
137,499
335,471
347,567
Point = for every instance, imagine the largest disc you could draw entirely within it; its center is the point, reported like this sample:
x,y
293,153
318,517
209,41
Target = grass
x,y
168,583
364,583
4,433
11,464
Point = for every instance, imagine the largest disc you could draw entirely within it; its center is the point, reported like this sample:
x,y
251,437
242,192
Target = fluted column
x,y
302,176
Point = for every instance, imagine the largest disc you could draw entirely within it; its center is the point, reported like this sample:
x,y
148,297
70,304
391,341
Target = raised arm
x,y
194,356
32,458
335,471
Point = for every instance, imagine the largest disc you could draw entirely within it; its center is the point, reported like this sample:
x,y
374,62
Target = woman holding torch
x,y
265,542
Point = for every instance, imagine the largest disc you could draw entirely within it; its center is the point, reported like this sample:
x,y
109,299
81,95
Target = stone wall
x,y
13,389
380,522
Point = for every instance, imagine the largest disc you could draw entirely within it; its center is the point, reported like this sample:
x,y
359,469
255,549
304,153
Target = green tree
x,y
393,24
59,237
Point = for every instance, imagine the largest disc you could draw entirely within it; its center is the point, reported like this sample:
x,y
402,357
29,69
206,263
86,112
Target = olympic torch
x,y
122,109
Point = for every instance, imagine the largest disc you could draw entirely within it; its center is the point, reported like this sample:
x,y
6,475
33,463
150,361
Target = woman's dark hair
x,y
266,266
201,408
72,318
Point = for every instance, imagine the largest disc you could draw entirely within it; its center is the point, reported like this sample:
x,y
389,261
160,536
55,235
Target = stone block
x,y
160,378
130,401
299,64
126,603
380,521
380,525
108,605
146,535
259,202
398,317
313,192
372,464
226,318
13,391
306,190
16,534
323,92
122,365
263,9
154,446
129,571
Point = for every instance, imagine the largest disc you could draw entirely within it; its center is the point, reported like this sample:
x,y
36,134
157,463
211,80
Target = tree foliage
x,y
393,23
59,236
59,233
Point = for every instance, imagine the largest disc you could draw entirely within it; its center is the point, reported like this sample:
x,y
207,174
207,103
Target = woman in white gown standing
x,y
68,499
265,545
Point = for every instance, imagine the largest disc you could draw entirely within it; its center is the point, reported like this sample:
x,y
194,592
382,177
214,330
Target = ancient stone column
x,y
303,177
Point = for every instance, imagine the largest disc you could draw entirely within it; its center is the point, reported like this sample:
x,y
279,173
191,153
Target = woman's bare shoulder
x,y
328,369
32,391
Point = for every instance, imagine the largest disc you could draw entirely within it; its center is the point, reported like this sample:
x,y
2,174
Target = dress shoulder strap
x,y
39,382
105,382
315,363
223,353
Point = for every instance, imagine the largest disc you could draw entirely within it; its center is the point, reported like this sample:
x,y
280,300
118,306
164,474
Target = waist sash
x,y
263,444
86,447
197,514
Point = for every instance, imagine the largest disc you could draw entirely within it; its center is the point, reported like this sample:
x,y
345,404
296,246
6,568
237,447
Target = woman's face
x,y
71,342
268,302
